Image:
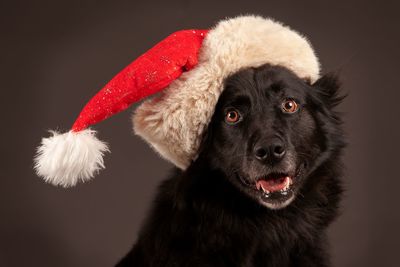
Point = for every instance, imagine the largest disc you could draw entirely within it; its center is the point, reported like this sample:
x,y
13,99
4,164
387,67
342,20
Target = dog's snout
x,y
275,151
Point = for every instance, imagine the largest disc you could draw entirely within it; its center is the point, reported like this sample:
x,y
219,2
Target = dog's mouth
x,y
274,183
274,190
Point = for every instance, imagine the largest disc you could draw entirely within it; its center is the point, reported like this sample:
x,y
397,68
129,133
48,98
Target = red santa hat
x,y
187,69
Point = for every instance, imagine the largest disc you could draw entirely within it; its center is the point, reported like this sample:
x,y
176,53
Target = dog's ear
x,y
328,87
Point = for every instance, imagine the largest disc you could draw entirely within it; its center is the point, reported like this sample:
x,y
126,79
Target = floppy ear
x,y
328,86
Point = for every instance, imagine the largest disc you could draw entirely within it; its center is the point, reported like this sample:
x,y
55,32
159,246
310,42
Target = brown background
x,y
55,55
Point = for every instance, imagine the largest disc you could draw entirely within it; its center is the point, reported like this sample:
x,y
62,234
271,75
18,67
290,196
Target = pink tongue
x,y
273,185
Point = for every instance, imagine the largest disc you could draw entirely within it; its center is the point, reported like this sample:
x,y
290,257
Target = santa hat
x,y
187,69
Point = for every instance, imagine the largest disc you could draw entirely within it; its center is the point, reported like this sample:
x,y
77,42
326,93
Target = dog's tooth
x,y
262,189
266,191
286,188
288,183
258,186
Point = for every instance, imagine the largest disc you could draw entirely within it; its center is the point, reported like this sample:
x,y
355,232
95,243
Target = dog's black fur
x,y
212,215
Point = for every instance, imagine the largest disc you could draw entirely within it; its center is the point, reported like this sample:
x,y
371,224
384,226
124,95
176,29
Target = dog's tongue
x,y
273,185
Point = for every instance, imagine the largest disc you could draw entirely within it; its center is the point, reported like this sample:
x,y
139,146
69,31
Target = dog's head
x,y
270,130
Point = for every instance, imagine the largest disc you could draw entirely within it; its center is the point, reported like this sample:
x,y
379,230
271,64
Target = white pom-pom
x,y
65,159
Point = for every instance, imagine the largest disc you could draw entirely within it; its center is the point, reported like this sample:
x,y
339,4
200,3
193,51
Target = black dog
x,y
265,185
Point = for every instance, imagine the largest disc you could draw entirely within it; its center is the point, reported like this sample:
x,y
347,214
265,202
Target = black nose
x,y
275,151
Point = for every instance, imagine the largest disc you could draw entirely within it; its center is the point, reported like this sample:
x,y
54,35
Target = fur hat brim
x,y
174,121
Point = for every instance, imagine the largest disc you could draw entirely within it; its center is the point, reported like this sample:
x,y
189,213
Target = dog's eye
x,y
232,116
289,106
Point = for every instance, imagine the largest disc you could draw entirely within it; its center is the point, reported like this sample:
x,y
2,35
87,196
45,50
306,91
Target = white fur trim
x,y
65,159
174,121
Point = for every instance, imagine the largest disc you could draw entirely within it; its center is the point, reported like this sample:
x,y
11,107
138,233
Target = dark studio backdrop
x,y
55,55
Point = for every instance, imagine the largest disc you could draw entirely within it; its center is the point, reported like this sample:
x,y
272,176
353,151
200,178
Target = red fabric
x,y
148,74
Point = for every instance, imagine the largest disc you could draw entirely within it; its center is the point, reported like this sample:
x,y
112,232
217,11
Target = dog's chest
x,y
274,245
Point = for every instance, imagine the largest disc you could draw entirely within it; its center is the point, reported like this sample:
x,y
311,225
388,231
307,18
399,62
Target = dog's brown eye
x,y
289,106
232,116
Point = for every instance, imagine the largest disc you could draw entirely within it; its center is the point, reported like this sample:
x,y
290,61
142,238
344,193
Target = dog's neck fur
x,y
217,207
199,209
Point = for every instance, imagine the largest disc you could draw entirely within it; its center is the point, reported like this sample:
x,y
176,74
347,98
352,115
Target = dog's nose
x,y
275,151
